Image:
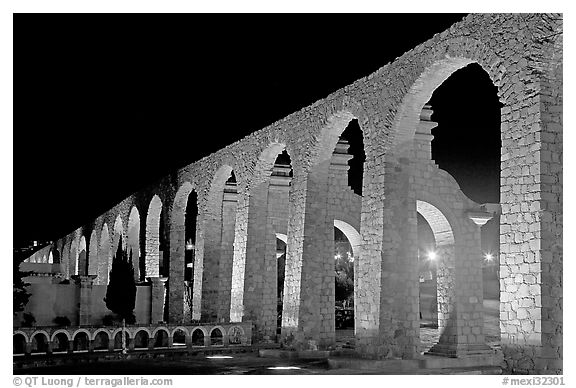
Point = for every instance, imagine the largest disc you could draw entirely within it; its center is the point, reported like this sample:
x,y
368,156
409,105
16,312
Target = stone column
x,y
460,293
157,296
227,251
85,301
308,320
387,310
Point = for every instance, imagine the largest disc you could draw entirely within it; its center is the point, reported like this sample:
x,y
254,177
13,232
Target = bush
x,y
62,321
29,320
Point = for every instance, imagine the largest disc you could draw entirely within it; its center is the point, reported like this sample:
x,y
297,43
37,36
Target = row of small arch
x,y
60,339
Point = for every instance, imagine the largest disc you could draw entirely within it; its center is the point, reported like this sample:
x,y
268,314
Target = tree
x,y
121,291
20,294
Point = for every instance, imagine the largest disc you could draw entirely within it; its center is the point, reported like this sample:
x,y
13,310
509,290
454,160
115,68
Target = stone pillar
x,y
227,250
308,320
175,297
157,295
85,298
460,293
258,306
387,308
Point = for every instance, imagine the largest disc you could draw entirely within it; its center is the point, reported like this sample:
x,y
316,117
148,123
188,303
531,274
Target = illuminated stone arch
x,y
308,304
153,237
446,270
133,240
177,309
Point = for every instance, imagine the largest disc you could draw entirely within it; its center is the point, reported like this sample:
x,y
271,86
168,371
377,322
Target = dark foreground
x,y
239,364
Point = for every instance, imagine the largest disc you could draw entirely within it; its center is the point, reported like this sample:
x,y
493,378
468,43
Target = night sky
x,y
105,105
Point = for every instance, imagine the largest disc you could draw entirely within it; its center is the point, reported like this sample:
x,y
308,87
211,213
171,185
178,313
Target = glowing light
x,y
351,259
432,255
218,357
337,256
283,367
488,257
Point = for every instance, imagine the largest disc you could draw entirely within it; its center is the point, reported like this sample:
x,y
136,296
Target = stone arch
x,y
153,237
133,240
117,338
141,338
217,336
160,337
81,331
82,257
81,341
65,332
93,254
101,340
39,342
310,250
60,341
197,338
446,273
235,335
19,342
209,291
282,237
177,308
22,333
182,329
355,241
116,331
98,331
104,257
351,234
179,336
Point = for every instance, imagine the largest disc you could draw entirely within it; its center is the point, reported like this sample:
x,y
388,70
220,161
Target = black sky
x,y
106,104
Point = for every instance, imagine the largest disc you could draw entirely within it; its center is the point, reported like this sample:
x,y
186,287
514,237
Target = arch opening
x,y
60,343
39,343
101,341
81,342
18,344
161,339
437,280
216,337
81,258
154,265
197,338
133,241
141,340
179,338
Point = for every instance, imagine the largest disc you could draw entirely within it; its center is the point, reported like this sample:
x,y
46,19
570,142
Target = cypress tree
x,y
121,291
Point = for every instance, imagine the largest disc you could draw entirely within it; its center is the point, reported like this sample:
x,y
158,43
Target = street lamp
x,y
432,255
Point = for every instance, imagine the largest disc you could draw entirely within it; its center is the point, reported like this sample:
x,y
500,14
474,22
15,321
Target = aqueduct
x,y
235,225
